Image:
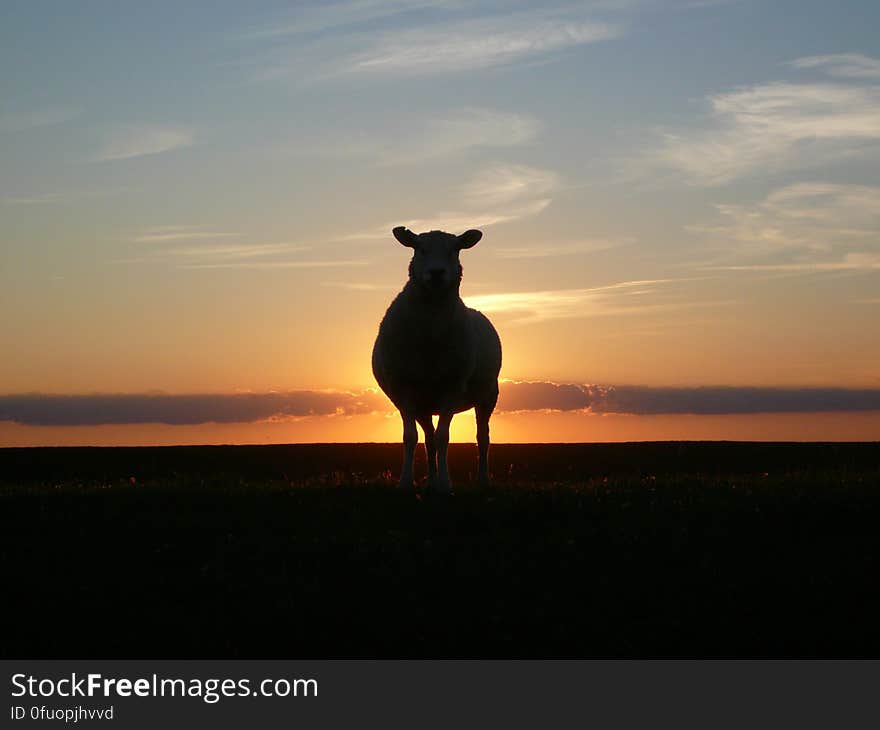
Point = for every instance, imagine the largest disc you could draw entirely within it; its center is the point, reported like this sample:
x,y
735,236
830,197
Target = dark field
x,y
634,550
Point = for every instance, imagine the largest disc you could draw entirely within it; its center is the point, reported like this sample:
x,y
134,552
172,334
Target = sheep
x,y
435,356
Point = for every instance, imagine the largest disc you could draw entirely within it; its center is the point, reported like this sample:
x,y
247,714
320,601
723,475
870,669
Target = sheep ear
x,y
469,239
405,236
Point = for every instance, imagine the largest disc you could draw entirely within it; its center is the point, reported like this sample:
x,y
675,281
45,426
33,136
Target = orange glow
x,y
506,428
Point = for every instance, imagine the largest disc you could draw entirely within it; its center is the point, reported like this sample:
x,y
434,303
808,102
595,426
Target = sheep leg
x,y
483,415
427,425
410,439
442,484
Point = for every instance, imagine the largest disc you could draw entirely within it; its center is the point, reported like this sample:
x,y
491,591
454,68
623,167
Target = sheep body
x,y
435,356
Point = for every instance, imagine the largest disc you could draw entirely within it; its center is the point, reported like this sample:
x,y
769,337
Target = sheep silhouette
x,y
435,356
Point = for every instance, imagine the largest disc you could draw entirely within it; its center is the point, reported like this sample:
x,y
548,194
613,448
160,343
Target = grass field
x,y
629,550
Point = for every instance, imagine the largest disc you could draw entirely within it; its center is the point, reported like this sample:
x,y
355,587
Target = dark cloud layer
x,y
92,410
711,401
37,409
701,401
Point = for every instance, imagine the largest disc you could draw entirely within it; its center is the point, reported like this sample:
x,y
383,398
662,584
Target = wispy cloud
x,y
546,250
45,199
360,285
301,264
847,65
34,118
500,194
461,220
480,43
232,253
139,141
851,262
314,18
810,226
464,129
504,184
770,126
493,196
458,37
628,297
61,197
410,140
196,247
167,234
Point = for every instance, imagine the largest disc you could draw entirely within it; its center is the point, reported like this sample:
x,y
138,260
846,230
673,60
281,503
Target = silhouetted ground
x,y
633,550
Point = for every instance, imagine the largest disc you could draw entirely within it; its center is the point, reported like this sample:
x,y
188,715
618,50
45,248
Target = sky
x,y
680,202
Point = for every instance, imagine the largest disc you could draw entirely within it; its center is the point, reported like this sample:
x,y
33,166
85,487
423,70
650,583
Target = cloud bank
x,y
700,401
37,409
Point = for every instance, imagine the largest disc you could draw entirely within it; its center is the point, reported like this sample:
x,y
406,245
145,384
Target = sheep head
x,y
435,266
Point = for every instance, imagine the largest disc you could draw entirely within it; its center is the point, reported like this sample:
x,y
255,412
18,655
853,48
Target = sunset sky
x,y
680,202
